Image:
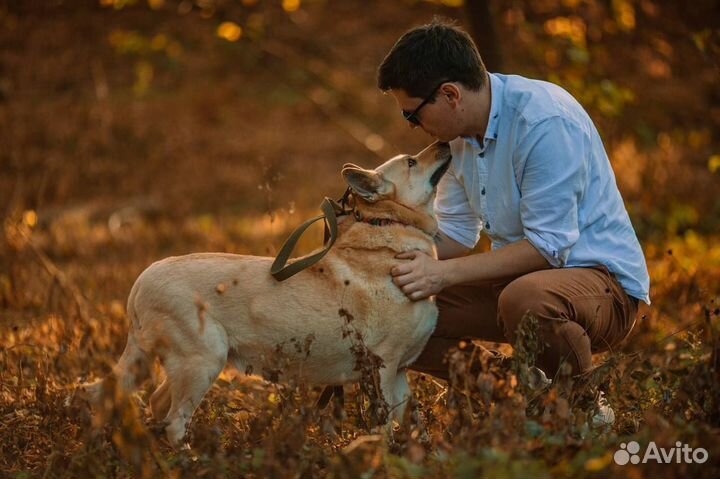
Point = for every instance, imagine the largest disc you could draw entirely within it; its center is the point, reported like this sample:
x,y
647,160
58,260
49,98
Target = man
x,y
528,168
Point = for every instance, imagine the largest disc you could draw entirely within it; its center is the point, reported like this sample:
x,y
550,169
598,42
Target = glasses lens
x,y
411,117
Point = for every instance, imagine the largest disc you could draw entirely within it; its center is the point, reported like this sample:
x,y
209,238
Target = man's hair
x,y
428,55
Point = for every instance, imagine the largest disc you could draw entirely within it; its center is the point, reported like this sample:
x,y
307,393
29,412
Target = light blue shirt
x,y
541,174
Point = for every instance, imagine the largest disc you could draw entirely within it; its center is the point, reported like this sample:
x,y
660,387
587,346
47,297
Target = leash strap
x,y
280,270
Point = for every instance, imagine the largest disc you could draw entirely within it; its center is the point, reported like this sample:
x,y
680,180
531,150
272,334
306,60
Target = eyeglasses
x,y
412,116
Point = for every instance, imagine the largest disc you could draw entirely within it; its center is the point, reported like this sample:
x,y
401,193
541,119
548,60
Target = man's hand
x,y
424,276
419,278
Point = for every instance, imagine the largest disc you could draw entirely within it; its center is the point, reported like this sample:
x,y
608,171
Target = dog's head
x,y
410,180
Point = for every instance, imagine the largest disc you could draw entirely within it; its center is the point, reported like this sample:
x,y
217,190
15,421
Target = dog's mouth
x,y
435,178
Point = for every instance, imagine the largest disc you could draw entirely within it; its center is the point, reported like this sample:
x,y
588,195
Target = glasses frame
x,y
412,116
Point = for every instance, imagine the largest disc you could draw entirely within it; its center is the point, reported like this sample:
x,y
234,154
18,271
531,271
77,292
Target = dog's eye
x,y
412,162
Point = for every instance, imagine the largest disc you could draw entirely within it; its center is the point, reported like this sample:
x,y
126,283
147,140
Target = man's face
x,y
438,119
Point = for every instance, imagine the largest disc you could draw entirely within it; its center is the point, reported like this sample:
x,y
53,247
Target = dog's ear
x,y
367,184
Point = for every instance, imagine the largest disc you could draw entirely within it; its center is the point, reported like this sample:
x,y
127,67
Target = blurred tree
x,y
481,21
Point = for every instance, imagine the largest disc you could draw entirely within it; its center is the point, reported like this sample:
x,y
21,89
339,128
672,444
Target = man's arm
x,y
449,248
513,260
424,276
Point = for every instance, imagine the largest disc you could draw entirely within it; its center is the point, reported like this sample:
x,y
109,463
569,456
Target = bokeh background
x,y
131,130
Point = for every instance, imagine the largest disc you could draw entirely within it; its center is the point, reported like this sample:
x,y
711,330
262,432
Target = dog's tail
x,y
131,370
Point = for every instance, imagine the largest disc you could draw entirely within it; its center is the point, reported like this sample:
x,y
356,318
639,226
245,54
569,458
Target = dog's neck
x,y
388,212
386,225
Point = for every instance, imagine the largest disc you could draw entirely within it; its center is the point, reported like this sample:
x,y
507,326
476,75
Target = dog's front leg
x,y
396,392
401,396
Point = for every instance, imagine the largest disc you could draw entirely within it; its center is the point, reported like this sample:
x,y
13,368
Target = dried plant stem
x,y
60,278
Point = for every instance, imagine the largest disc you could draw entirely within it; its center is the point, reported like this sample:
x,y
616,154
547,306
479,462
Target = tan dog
x,y
199,311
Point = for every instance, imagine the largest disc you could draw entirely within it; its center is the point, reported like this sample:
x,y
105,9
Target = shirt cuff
x,y
468,239
555,256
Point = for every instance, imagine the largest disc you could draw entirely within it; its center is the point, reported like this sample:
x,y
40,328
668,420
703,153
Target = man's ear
x,y
451,92
367,184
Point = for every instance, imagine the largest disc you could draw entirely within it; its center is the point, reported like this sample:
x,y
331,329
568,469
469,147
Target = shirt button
x,y
487,226
483,191
481,154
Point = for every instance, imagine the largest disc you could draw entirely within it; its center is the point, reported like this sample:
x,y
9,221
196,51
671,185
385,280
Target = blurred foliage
x,y
134,130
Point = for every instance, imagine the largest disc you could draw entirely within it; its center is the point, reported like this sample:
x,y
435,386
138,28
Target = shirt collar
x,y
491,132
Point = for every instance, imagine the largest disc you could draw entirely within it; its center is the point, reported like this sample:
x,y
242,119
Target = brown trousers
x,y
580,311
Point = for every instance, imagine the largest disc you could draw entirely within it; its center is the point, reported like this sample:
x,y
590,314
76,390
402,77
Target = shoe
x,y
605,416
537,379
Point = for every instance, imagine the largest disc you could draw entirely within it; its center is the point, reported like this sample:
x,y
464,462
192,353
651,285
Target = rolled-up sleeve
x,y
455,216
552,167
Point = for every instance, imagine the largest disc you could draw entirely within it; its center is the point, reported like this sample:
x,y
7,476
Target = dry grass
x,y
62,325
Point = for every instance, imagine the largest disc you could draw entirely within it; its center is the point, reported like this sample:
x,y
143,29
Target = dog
x,y
198,312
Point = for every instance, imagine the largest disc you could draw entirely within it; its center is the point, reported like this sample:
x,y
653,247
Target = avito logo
x,y
681,453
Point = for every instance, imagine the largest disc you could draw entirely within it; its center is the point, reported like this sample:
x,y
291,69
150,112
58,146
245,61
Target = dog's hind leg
x,y
190,379
133,366
190,376
131,370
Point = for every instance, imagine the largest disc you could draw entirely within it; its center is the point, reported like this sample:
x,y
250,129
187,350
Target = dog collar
x,y
381,221
376,221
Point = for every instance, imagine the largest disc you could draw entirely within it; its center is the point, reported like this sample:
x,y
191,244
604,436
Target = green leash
x,y
280,270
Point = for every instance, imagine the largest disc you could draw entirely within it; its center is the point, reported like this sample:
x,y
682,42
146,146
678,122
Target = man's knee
x,y
523,296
